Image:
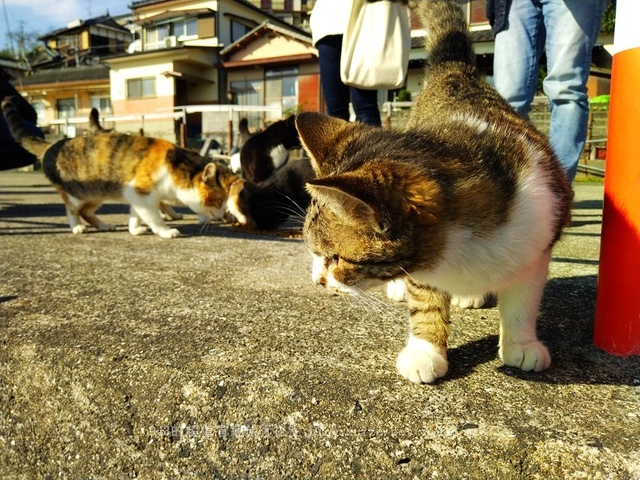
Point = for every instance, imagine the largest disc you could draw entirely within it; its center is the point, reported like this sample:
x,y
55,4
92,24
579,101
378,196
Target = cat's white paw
x,y
468,301
421,361
170,233
138,230
526,356
397,290
79,229
106,227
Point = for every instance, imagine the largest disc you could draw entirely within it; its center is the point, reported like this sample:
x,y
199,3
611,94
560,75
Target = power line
x,y
9,35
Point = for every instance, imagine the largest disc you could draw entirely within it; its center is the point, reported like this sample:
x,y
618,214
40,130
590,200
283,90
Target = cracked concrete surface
x,y
213,356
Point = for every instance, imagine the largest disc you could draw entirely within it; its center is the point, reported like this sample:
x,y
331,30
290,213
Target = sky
x,y
44,16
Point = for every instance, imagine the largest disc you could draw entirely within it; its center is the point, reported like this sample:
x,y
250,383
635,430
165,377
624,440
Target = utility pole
x,y
9,35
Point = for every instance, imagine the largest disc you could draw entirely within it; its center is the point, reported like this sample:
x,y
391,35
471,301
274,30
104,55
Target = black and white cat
x,y
266,151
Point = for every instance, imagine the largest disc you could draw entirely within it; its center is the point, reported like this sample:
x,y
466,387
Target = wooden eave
x,y
300,58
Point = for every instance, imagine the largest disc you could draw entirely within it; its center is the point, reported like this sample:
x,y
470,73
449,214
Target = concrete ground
x,y
213,356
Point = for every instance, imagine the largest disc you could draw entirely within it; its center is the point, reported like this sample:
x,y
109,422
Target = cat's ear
x,y
336,195
210,173
317,133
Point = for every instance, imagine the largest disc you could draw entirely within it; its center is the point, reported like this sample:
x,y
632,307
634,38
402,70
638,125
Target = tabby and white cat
x,y
468,199
143,171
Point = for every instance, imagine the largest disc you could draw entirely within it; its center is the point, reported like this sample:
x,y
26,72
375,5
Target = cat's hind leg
x,y
87,211
73,206
519,305
424,359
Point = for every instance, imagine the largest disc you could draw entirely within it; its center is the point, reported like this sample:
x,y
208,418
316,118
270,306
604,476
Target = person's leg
x,y
517,55
336,93
12,155
365,104
572,29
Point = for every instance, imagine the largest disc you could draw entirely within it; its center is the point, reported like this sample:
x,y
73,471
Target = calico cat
x,y
266,151
143,171
470,198
166,210
269,204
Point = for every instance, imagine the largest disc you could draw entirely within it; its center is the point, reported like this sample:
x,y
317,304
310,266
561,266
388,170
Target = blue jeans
x,y
567,30
336,93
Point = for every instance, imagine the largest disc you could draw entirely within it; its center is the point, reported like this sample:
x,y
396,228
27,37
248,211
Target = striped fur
x,y
468,199
143,171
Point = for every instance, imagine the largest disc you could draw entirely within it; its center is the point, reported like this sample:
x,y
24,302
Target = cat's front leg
x,y
168,213
135,224
519,305
424,359
149,212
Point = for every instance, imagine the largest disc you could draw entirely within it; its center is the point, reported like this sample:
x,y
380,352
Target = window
x,y
156,37
281,88
186,28
141,87
68,42
238,30
66,107
41,110
103,104
248,92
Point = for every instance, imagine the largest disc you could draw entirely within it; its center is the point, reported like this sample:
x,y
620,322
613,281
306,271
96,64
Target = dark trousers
x,y
12,155
336,93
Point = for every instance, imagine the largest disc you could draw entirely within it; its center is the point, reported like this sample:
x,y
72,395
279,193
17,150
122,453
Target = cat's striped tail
x,y
447,37
20,133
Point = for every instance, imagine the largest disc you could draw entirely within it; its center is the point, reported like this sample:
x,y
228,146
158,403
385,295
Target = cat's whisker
x,y
409,275
299,208
356,298
382,304
283,208
371,302
204,227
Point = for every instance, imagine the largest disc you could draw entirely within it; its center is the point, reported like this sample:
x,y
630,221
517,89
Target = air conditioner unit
x,y
171,41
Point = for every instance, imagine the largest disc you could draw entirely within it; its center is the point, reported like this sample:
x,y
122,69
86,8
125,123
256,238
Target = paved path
x,y
213,356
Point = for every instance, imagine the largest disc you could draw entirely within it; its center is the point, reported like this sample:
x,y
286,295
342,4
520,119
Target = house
x,y
294,12
68,78
273,66
177,63
197,66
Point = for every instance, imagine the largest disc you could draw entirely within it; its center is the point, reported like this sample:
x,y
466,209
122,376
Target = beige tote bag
x,y
376,45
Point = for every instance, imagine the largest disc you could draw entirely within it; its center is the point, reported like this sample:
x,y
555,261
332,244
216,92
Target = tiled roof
x,y
71,74
104,20
11,64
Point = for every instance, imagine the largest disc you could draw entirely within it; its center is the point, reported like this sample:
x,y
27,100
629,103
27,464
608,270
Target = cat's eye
x,y
332,260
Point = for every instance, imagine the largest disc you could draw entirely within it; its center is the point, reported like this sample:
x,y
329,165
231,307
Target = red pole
x,y
617,319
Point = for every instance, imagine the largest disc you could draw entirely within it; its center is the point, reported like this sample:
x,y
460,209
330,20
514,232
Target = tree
x,y
24,42
609,18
